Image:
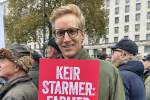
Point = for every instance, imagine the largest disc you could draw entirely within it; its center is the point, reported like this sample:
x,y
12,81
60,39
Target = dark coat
x,y
20,88
131,74
34,73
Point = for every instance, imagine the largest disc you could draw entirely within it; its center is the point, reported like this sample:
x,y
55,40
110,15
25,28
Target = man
x,y
15,62
131,69
52,49
34,72
68,25
146,63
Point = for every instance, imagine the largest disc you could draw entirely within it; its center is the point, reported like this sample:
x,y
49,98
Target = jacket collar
x,y
82,55
147,73
126,59
9,85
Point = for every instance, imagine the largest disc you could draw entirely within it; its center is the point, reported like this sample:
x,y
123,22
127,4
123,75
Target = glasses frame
x,y
112,51
54,32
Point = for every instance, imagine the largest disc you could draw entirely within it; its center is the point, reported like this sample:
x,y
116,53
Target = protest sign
x,y
2,43
64,79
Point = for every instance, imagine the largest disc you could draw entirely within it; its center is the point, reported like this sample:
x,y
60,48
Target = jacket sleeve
x,y
147,86
110,82
119,93
12,98
126,88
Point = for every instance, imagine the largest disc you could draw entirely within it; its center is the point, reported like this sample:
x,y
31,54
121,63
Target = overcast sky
x,y
2,0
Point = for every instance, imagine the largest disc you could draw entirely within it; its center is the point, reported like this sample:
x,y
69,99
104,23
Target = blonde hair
x,y
70,8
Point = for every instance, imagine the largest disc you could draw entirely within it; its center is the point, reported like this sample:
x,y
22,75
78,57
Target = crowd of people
x,y
122,76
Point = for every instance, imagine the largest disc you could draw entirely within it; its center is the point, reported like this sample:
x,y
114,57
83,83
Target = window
x,y
126,37
148,15
115,39
108,21
104,50
136,37
148,4
89,42
107,30
126,28
127,8
107,40
138,16
138,6
107,3
127,18
137,27
116,30
147,36
107,11
116,20
117,2
95,51
35,46
148,26
147,48
127,1
117,10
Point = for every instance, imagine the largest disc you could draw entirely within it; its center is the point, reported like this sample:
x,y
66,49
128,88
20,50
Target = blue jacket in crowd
x,y
131,74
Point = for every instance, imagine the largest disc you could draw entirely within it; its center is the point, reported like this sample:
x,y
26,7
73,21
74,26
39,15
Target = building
x,y
127,19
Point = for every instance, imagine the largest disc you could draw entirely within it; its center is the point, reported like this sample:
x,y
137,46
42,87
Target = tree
x,y
24,23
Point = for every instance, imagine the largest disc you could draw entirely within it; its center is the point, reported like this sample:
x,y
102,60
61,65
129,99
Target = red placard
x,y
65,79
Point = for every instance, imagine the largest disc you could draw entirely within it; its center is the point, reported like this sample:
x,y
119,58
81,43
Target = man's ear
x,y
17,68
122,54
83,36
53,50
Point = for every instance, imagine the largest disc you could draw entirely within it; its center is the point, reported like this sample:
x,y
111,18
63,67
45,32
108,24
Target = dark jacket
x,y
20,88
110,82
147,84
131,73
34,73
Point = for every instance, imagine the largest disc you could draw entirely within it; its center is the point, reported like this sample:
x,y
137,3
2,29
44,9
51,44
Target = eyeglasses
x,y
113,50
72,32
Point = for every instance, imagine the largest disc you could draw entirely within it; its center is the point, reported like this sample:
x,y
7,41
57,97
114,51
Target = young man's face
x,y
70,47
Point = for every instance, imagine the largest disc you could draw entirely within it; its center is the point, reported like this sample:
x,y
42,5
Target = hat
x,y
147,57
36,56
127,45
19,53
52,43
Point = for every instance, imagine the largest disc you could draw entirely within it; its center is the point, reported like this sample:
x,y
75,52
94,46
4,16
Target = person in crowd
x,y
146,78
101,55
34,71
52,49
2,81
68,26
108,58
125,58
15,62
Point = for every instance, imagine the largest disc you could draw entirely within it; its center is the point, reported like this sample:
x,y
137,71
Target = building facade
x,y
126,19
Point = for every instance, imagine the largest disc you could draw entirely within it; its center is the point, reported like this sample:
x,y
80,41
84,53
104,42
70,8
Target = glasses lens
x,y
72,32
59,33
